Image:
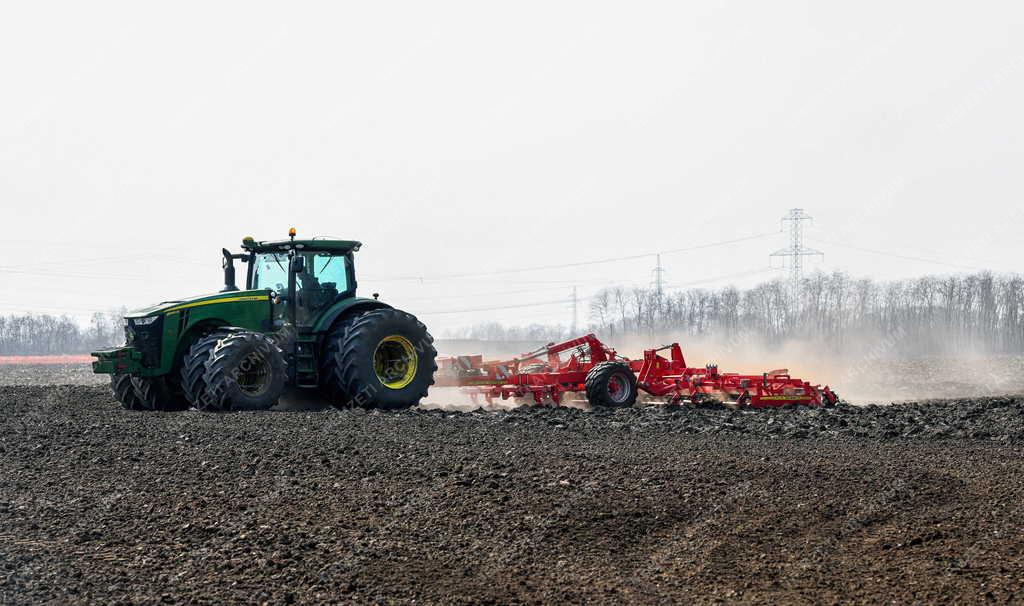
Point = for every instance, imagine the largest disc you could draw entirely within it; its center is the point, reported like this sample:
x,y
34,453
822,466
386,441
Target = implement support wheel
x,y
611,384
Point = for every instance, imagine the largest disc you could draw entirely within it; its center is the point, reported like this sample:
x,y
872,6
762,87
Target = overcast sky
x,y
137,139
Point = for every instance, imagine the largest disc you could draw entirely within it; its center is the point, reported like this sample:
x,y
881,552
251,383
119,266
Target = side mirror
x,y
298,264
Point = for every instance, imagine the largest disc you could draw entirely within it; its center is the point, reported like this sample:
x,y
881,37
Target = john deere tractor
x,y
298,322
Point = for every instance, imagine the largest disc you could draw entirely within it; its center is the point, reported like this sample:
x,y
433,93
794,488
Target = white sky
x,y
457,138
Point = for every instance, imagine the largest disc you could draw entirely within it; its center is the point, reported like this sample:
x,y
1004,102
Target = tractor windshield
x,y
324,271
270,271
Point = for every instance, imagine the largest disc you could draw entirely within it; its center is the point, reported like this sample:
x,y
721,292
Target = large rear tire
x,y
331,382
611,384
124,392
245,371
382,358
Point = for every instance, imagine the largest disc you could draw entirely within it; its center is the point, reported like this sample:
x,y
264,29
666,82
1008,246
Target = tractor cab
x,y
305,277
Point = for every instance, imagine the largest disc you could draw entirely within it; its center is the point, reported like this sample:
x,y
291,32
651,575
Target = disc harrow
x,y
547,374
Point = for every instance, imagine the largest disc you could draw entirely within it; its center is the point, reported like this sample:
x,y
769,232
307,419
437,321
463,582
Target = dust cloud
x,y
863,370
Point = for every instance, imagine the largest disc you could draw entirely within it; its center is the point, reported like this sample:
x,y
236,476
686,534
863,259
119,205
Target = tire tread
x,y
193,370
346,351
124,392
216,396
597,381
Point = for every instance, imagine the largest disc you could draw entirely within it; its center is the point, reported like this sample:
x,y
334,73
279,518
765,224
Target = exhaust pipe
x,y
229,272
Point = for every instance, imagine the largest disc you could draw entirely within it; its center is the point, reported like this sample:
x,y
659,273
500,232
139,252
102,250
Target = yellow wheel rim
x,y
395,362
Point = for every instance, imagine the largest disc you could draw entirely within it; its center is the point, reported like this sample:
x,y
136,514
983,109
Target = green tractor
x,y
298,323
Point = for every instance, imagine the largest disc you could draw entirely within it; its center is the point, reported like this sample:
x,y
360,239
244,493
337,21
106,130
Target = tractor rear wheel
x,y
158,393
193,370
332,383
382,358
124,392
611,384
245,371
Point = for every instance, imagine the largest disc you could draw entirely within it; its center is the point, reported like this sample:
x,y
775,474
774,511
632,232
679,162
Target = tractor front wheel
x,y
193,369
383,358
611,384
158,393
244,371
124,392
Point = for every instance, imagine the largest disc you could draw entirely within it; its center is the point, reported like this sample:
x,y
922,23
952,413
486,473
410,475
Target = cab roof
x,y
316,244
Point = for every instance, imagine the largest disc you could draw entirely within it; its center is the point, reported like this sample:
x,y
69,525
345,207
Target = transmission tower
x,y
659,278
796,251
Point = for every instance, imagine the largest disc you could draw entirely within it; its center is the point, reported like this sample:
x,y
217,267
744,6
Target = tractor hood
x,y
199,301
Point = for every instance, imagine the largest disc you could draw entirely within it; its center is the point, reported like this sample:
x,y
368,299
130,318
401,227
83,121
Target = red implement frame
x,y
543,374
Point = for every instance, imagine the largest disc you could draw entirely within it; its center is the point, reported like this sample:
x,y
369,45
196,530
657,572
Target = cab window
x,y
331,271
270,271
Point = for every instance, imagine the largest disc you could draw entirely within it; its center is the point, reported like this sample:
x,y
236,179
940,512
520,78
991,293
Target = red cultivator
x,y
609,379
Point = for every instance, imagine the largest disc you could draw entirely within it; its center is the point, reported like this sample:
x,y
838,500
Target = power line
x,y
499,272
439,312
69,262
63,310
506,281
120,244
907,257
673,251
500,308
581,299
59,274
50,274
485,294
741,274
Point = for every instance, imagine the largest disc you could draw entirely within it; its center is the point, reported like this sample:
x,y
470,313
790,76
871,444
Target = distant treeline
x,y
47,335
929,315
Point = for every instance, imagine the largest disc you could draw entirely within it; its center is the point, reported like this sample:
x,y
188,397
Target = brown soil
x,y
896,504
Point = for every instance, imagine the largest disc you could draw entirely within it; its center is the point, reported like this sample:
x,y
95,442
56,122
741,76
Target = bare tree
x,y
601,308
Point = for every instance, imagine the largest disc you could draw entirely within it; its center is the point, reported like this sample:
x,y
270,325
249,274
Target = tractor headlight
x,y
144,321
